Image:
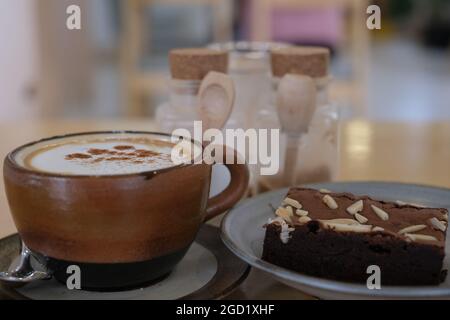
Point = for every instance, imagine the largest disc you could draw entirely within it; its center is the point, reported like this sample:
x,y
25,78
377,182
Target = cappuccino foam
x,y
101,154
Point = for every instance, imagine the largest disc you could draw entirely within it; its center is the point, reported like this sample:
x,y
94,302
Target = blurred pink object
x,y
315,26
324,26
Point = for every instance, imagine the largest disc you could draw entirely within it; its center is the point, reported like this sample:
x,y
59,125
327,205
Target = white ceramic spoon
x,y
296,103
216,99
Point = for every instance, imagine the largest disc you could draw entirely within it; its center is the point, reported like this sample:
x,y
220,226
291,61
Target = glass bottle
x,y
180,111
318,150
249,67
188,67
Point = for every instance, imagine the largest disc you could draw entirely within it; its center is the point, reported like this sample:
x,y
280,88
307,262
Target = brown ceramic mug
x,y
121,230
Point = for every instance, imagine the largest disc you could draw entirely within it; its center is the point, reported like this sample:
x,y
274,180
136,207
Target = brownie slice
x,y
339,235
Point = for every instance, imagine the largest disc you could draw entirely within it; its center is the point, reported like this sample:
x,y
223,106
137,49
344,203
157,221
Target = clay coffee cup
x,y
123,225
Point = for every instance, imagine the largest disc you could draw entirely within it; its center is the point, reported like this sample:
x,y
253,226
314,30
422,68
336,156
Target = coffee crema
x,y
101,154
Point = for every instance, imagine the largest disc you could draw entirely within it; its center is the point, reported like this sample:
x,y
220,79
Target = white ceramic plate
x,y
243,233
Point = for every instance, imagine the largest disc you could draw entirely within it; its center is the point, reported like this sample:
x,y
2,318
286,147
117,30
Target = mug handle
x,y
24,271
239,177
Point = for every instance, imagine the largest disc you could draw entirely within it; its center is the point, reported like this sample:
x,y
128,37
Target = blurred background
x,y
392,86
116,65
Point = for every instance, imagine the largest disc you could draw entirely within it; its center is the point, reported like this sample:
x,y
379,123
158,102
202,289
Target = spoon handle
x,y
24,271
290,160
216,99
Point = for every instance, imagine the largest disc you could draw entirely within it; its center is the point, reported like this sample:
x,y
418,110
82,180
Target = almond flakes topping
x,y
304,219
420,237
361,218
283,213
341,221
356,207
412,204
301,212
290,210
438,225
291,202
329,201
359,228
412,229
383,215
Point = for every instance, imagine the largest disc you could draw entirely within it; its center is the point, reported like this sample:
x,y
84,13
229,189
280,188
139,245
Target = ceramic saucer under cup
x,y
208,271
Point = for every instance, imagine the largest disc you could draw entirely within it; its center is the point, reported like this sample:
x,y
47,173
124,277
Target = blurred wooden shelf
x,y
152,82
137,82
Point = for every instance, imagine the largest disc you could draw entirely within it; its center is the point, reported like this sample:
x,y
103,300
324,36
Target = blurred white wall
x,y
18,59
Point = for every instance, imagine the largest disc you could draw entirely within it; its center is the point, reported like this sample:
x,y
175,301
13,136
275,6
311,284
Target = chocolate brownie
x,y
339,235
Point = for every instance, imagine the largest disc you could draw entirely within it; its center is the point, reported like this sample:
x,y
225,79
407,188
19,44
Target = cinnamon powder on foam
x,y
120,153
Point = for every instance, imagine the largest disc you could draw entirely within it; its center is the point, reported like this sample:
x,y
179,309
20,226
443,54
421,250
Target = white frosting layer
x,y
77,155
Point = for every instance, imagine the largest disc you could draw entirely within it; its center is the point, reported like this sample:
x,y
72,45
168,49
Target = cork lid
x,y
310,61
195,63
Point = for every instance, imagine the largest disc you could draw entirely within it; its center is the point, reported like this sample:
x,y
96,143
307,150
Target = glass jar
x,y
249,67
318,149
180,111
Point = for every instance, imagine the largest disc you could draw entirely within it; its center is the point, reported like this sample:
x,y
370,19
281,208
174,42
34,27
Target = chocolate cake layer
x,y
338,235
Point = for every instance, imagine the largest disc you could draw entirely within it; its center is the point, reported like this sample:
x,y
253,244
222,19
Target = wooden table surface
x,y
404,152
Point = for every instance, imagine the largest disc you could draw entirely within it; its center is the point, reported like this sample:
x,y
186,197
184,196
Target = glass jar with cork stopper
x,y
249,66
188,66
317,149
